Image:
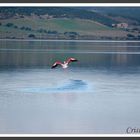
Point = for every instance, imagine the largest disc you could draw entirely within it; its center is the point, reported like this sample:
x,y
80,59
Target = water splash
x,y
70,86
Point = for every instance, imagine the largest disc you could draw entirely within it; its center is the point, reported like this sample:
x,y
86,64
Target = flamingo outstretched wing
x,y
71,60
56,64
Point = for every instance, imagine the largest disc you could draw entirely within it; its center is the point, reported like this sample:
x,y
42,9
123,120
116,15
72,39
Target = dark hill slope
x,y
69,12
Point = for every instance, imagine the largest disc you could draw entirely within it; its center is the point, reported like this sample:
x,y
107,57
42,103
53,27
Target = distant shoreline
x,y
56,40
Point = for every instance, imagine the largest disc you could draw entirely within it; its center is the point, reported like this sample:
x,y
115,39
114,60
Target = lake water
x,y
99,94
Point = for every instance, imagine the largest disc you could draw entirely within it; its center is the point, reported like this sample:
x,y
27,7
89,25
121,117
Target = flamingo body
x,y
65,64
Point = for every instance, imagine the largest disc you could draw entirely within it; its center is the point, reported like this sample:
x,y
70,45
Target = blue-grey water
x,y
99,94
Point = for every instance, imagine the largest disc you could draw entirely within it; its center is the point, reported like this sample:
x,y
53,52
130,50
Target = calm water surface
x,y
100,94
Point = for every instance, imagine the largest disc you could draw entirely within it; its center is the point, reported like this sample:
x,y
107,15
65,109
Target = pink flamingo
x,y
65,64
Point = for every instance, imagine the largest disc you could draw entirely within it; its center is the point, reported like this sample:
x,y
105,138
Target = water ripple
x,y
71,85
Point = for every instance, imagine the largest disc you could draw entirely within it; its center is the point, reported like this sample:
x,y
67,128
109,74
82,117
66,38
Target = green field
x,y
63,23
60,25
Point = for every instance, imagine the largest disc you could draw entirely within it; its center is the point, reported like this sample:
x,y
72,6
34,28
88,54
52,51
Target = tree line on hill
x,y
56,12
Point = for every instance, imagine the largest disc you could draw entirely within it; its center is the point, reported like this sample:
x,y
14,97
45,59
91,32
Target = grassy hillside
x,y
59,25
57,12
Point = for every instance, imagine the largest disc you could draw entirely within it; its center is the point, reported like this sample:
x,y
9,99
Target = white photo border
x,y
70,5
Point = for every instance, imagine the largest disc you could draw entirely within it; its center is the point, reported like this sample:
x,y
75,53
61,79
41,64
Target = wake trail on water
x,y
72,85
